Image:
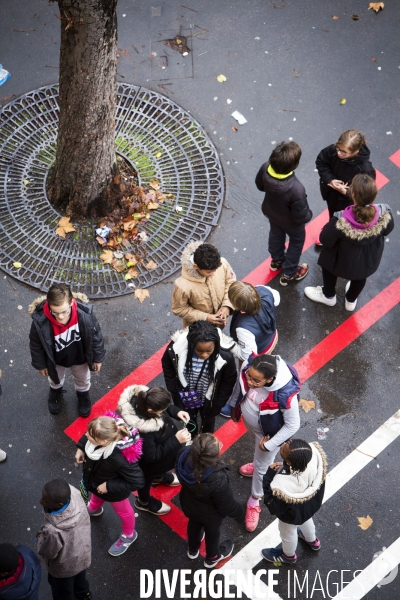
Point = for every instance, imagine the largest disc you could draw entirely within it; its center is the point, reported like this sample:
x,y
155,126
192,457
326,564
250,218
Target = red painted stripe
x,y
395,158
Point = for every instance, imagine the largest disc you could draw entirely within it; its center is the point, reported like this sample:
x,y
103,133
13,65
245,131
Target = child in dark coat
x,y
294,491
206,498
20,573
285,204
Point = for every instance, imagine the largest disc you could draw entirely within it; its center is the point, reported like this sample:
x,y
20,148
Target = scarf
x,y
130,446
349,216
277,175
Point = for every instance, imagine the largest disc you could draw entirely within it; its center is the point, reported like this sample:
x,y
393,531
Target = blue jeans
x,y
276,246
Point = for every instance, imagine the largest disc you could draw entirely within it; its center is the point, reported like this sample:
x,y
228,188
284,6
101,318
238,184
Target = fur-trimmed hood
x,y
359,235
188,270
78,295
129,414
299,488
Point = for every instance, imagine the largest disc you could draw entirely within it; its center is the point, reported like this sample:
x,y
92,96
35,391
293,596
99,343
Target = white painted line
x,y
250,555
373,574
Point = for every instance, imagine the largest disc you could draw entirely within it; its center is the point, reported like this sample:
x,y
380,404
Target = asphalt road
x,y
287,66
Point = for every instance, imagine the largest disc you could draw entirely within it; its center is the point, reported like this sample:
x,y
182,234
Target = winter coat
x,y
64,540
194,297
296,498
354,253
26,585
330,167
42,339
225,374
210,500
120,470
160,446
285,201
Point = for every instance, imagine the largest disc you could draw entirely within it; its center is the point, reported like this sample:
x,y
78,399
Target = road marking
x,y
395,158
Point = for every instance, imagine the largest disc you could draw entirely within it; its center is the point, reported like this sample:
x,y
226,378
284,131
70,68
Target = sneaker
x,y
247,470
316,294
276,265
95,513
3,456
154,506
252,517
301,272
55,399
122,544
350,306
276,556
192,554
225,550
318,242
226,411
167,479
84,404
316,545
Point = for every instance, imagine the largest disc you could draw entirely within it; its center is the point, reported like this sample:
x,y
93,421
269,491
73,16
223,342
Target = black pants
x,y
355,289
207,421
195,531
276,246
65,588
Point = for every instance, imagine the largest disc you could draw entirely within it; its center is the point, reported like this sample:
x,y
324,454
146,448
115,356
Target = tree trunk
x,y
82,180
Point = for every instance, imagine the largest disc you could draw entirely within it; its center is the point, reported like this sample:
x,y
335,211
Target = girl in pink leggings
x,y
109,452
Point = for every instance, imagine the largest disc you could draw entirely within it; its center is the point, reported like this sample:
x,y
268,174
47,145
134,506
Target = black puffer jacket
x,y
331,167
285,201
120,471
42,339
208,501
354,253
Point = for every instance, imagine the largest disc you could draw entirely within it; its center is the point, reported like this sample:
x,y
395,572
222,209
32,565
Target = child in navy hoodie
x,y
20,573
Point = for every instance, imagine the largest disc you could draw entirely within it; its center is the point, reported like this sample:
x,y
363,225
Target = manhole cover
x,y
147,124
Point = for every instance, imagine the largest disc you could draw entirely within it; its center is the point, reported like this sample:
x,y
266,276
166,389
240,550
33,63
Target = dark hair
x,y
203,331
244,296
58,294
204,453
207,257
363,191
285,157
352,139
156,398
9,557
57,491
265,364
300,454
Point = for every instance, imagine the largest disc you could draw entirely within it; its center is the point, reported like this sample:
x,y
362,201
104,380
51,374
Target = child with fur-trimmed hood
x,y
65,334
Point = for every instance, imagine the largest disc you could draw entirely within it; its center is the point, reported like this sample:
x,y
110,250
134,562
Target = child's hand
x,y
80,457
44,372
183,416
275,466
102,488
183,436
96,367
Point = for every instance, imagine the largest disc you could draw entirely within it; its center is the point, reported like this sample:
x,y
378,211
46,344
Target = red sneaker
x,y
252,517
247,470
318,242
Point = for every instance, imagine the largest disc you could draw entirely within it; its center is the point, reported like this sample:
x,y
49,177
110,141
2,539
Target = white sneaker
x,y
316,295
350,306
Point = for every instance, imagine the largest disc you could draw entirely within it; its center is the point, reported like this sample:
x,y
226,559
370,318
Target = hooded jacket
x,y
194,297
211,499
285,201
354,253
120,470
26,585
42,339
225,374
296,498
64,540
160,446
330,167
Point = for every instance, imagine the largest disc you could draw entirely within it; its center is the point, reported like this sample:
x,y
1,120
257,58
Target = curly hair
x,y
207,257
57,491
300,454
266,365
203,331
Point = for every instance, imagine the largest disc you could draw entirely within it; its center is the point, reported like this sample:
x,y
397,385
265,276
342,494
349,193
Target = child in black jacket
x,y
206,498
294,491
285,204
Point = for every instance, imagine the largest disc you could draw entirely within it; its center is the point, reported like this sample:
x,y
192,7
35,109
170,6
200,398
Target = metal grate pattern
x,y
147,124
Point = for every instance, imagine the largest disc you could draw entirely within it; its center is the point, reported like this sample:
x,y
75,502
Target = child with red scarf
x,y
65,334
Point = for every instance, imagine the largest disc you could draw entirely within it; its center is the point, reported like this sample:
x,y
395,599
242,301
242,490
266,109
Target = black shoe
x,y
225,550
54,401
154,506
84,404
84,596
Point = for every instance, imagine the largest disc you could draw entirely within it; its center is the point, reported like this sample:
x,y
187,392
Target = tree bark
x,y
82,180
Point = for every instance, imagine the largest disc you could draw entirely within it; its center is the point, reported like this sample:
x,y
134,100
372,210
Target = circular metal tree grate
x,y
148,125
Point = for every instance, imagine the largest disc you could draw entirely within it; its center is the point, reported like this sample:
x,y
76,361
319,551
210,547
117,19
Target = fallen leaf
x,y
60,231
119,254
376,6
158,154
364,522
64,226
17,265
26,181
131,258
296,73
343,101
100,240
335,17
221,78
151,265
152,205
141,294
155,185
355,17
234,128
107,257
373,58
133,272
118,264
306,405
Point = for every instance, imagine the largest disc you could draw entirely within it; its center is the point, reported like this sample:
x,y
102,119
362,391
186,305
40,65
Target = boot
x,y
84,404
54,401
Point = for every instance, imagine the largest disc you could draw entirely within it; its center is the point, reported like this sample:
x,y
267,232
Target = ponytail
x,y
363,191
204,454
106,429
